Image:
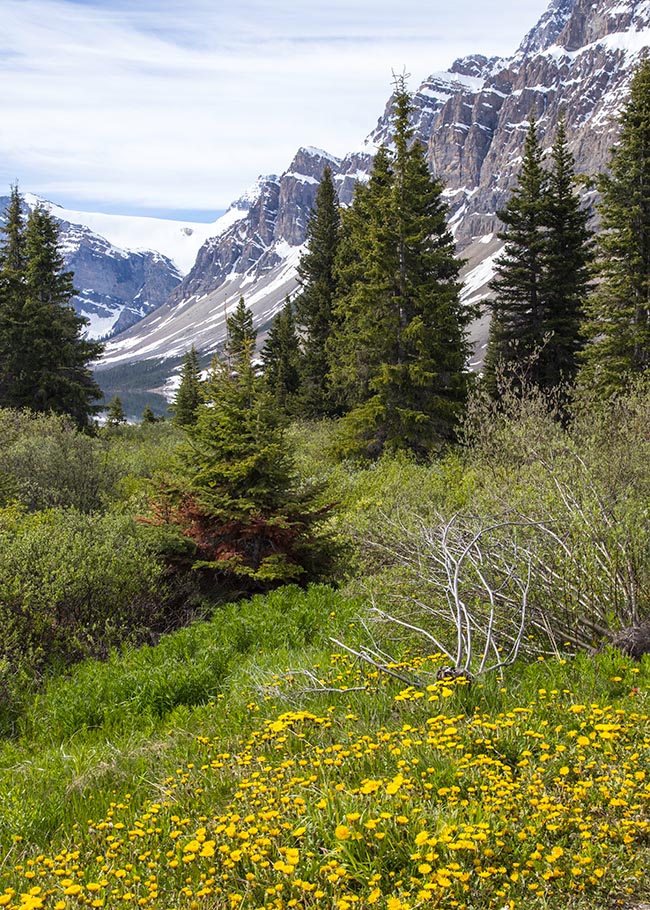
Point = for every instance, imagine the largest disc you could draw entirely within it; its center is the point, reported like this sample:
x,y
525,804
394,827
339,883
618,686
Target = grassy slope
x,y
208,773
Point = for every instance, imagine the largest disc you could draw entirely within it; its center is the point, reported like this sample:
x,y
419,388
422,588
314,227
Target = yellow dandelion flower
x,y
395,784
342,832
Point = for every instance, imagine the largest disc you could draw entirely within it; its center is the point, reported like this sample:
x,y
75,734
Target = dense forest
x,y
352,627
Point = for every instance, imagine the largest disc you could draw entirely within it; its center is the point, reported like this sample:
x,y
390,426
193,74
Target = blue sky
x,y
153,106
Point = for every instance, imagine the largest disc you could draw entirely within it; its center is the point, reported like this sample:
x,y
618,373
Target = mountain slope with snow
x,y
472,121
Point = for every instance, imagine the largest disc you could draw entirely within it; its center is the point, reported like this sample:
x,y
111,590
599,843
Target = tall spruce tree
x,y
543,277
12,295
401,348
281,361
517,309
240,334
47,353
314,303
354,346
618,324
567,268
188,395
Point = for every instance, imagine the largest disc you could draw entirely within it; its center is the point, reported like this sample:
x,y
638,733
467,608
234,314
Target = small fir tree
x,y
281,361
618,312
148,415
241,336
115,412
188,394
233,493
314,303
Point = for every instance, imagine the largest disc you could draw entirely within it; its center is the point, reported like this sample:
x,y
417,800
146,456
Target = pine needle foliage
x,y
401,350
233,489
618,325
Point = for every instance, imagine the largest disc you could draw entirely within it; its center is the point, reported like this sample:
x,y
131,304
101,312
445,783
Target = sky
x,y
174,108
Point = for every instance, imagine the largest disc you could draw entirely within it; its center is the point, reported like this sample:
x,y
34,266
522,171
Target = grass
x,y
212,772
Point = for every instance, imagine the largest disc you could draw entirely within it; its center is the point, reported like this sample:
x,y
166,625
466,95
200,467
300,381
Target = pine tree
x,y
568,256
188,395
12,295
518,307
355,347
401,350
49,355
148,415
233,492
618,325
314,303
281,361
115,412
240,334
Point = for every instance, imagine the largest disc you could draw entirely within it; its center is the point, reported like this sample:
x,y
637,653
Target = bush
x,y
539,543
72,586
45,462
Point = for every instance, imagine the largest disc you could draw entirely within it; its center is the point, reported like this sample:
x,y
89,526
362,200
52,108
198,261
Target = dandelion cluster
x,y
448,808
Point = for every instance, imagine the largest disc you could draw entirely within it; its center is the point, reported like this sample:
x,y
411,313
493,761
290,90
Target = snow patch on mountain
x,y
179,241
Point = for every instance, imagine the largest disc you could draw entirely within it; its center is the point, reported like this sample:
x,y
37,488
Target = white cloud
x,y
180,106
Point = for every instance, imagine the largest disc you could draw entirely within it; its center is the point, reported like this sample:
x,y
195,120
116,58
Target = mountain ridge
x,y
471,119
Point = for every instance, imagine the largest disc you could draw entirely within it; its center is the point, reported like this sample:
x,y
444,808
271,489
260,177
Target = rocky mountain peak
x,y
472,120
548,29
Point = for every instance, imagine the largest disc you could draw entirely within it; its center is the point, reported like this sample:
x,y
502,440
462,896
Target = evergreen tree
x,y
518,307
115,412
281,360
188,395
48,355
148,415
401,350
567,262
618,326
240,334
233,492
543,277
12,295
314,304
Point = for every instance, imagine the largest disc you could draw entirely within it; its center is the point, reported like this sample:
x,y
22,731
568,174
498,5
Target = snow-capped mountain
x,y
472,120
127,266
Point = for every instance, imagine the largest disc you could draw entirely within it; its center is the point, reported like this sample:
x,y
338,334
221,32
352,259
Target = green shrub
x,y
537,541
45,462
72,586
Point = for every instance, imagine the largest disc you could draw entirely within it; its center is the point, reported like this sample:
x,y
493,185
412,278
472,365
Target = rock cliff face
x,y
577,61
116,287
472,121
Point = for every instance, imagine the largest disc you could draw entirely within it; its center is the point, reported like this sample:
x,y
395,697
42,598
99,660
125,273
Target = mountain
x,y
125,266
472,121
